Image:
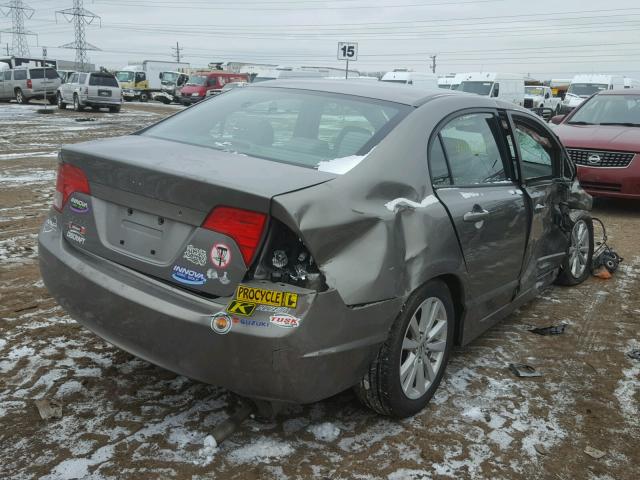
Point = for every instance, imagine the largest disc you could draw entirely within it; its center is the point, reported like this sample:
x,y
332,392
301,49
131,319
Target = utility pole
x,y
80,17
176,52
18,11
433,63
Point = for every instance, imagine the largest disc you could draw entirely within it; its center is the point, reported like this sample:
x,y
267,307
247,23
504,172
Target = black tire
x,y
52,100
20,98
381,389
568,275
114,109
95,109
144,97
61,104
76,104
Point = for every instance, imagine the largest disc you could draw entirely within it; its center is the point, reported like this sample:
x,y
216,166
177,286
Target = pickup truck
x,y
538,96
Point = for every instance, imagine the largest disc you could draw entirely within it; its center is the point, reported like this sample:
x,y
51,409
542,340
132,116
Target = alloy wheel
x,y
423,347
579,249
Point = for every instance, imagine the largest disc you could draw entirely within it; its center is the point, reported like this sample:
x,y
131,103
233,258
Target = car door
x,y
475,183
67,88
3,93
540,164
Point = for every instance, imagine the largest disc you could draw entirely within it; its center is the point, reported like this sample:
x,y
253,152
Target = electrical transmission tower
x,y
176,52
80,17
18,11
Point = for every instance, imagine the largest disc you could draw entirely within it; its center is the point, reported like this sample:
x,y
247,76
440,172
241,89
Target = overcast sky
x,y
546,38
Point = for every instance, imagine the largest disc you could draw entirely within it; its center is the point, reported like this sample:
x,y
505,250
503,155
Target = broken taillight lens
x,y
70,179
244,226
29,84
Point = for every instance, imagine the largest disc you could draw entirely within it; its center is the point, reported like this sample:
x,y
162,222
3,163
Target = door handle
x,y
539,207
475,215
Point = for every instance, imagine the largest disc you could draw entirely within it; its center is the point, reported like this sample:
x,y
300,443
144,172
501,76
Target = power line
x,y
18,11
80,17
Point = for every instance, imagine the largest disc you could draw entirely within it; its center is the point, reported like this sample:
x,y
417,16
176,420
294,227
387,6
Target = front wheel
x,y
411,362
576,266
76,104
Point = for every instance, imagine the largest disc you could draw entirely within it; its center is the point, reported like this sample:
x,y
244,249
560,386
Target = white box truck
x,y
508,87
418,79
139,81
584,85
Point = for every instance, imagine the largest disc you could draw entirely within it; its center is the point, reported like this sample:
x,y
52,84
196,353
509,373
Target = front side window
x,y
82,78
284,125
472,150
74,78
536,151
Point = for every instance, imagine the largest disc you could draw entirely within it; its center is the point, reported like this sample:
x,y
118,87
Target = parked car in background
x,y
65,75
603,138
292,239
450,82
583,86
508,87
541,97
28,83
96,90
204,84
418,79
172,83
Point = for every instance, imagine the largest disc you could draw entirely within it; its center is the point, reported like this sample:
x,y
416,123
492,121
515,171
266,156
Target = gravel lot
x,y
125,418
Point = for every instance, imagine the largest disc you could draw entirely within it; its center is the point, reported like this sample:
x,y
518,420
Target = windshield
x,y
169,77
481,88
586,89
124,76
197,80
609,109
284,125
535,91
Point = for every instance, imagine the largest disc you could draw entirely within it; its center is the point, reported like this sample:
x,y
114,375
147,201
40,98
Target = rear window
x,y
309,129
103,81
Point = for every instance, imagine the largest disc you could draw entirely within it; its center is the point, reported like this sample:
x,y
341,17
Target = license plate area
x,y
104,93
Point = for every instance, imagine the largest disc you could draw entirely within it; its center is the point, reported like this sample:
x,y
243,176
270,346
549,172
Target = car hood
x,y
601,137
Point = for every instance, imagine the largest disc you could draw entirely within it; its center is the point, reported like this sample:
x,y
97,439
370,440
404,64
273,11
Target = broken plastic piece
x,y
551,330
524,370
634,354
602,273
85,119
49,408
230,425
594,452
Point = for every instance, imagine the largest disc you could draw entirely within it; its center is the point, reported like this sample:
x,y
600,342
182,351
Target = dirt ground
x,y
125,418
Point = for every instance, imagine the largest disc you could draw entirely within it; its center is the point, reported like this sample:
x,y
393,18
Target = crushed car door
x,y
486,207
540,163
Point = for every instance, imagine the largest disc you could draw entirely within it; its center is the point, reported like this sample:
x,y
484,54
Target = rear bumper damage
x,y
328,352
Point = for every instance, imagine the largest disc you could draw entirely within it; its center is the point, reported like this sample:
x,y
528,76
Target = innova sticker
x,y
187,276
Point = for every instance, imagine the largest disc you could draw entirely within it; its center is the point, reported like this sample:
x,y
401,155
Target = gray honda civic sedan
x,y
293,239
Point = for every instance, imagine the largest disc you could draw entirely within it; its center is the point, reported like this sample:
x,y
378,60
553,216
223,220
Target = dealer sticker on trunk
x,y
261,296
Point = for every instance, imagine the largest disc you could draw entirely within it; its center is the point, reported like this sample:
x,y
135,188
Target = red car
x,y
203,84
602,137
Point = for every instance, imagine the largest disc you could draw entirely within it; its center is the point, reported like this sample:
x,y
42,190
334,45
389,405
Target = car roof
x,y
386,91
625,91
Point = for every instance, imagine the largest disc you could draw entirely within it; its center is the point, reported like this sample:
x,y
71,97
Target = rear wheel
x,y
144,96
61,104
76,104
576,266
20,98
114,109
52,100
411,362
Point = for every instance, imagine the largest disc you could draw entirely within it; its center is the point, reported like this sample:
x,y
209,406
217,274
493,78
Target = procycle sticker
x,y
262,296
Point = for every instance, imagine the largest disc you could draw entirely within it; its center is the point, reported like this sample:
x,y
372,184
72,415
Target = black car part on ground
x,y
604,255
550,330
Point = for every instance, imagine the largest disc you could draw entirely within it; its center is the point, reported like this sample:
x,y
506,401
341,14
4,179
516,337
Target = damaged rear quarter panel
x,y
367,249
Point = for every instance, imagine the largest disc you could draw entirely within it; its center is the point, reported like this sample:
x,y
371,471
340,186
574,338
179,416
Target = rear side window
x,y
438,165
20,75
103,81
285,125
472,150
36,73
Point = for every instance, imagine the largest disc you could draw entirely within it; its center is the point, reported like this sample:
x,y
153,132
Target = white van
x,y
451,82
419,79
585,85
508,87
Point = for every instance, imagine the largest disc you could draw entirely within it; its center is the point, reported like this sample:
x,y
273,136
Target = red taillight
x,y
244,226
29,84
70,179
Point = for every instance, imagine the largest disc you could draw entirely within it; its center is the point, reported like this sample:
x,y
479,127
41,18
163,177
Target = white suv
x,y
96,90
24,84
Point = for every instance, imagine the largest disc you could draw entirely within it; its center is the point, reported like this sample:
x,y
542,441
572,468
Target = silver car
x,y
24,84
96,90
291,239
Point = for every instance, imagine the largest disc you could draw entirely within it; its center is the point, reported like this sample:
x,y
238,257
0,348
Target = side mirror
x,y
557,120
160,75
547,95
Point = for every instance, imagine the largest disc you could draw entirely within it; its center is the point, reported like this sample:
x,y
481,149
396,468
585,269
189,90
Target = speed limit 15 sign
x,y
347,51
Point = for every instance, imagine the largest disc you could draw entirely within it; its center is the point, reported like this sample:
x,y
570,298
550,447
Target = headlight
x,y
195,94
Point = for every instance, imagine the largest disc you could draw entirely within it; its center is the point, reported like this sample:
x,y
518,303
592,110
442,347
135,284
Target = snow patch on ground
x,y
326,432
263,449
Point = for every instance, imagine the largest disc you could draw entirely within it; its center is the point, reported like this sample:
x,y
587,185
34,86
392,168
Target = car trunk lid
x,y
149,199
